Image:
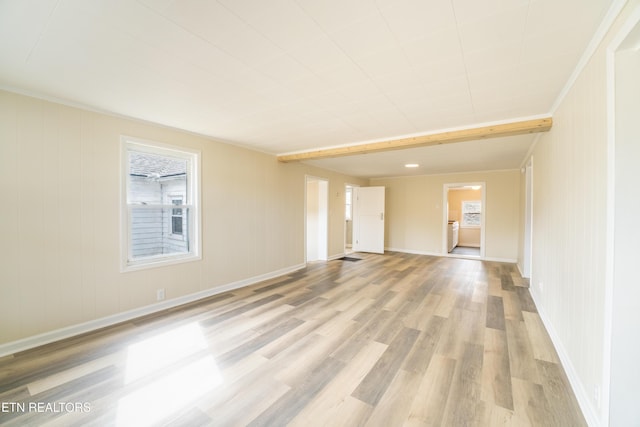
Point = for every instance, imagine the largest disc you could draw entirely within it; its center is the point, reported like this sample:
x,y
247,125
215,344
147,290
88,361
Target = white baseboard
x,y
508,260
590,413
411,251
81,328
519,269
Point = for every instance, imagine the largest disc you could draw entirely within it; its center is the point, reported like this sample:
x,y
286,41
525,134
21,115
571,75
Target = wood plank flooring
x,y
391,340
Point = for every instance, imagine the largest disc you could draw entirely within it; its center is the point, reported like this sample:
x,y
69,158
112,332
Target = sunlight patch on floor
x,y
174,388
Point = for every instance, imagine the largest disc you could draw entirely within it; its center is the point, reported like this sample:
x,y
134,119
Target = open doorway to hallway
x,y
528,220
463,225
348,218
316,219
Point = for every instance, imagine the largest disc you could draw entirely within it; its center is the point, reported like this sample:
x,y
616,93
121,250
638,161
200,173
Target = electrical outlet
x,y
160,294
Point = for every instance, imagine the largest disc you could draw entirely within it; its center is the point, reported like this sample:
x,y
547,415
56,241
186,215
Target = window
x,y
176,217
348,197
160,204
471,213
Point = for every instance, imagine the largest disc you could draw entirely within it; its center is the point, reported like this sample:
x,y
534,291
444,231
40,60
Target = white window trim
x,y
192,197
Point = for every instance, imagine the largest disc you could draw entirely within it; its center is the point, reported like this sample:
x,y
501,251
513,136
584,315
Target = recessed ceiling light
x,y
411,165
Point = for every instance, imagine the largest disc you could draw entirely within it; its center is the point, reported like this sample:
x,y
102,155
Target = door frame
x,y
527,255
323,212
445,219
611,281
344,239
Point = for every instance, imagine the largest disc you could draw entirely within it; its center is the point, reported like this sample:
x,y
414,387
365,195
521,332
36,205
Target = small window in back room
x,y
471,213
161,206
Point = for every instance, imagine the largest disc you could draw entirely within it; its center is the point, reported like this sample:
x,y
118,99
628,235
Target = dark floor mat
x,y
348,258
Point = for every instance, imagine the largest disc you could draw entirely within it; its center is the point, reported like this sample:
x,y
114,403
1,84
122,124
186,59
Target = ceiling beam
x,y
484,132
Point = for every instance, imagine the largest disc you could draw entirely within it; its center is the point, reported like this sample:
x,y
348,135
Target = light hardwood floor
x,y
391,340
465,250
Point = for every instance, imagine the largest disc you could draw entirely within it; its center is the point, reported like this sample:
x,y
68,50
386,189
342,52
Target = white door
x,y
368,219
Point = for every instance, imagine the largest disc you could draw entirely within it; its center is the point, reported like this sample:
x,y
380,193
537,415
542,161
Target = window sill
x,y
156,262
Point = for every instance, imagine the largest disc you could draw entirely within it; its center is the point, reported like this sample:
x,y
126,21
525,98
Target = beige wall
x,y
467,236
60,174
415,216
569,266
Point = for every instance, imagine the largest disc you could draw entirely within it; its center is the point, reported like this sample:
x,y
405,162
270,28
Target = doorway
x,y
368,219
528,220
316,219
348,218
464,220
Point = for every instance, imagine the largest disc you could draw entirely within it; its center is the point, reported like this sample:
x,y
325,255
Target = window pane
x,y
471,207
152,232
151,176
471,213
471,219
176,211
176,225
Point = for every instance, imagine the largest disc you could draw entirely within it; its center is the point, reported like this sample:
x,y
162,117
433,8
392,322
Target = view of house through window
x,y
176,217
159,203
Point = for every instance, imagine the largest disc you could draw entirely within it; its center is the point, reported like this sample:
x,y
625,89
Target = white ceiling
x,y
282,76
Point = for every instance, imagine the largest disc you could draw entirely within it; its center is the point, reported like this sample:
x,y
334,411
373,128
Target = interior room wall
x,y
415,212
467,236
569,223
569,255
60,170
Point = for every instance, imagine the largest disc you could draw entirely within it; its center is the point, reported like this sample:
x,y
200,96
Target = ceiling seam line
x,y
45,27
464,59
